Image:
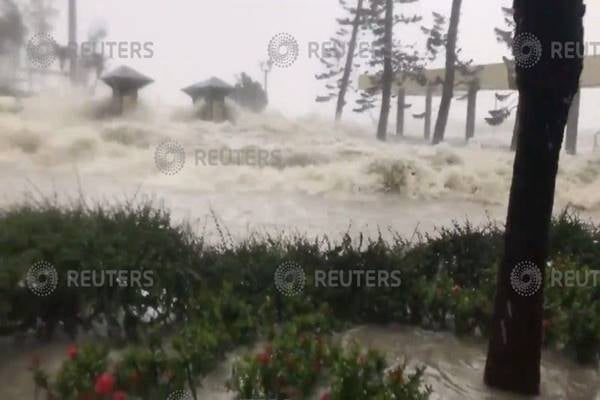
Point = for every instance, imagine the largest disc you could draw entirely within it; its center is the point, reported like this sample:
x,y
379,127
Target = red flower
x,y
105,384
119,395
72,351
263,358
326,396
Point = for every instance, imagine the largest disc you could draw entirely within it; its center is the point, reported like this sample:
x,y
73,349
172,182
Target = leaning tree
x,y
449,74
547,87
389,57
339,61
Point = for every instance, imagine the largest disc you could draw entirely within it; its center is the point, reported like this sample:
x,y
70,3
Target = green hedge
x,y
447,278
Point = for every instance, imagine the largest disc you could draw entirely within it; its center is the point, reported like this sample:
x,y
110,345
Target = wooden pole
x,y
428,110
400,113
73,39
471,109
266,82
573,125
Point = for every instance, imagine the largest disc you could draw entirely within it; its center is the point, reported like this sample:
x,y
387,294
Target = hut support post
x,y
400,112
134,96
428,109
471,110
573,125
118,101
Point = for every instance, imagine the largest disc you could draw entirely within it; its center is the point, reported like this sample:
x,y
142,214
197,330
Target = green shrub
x,y
362,375
447,279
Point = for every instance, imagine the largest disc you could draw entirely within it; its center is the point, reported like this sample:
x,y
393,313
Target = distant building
x,y
491,77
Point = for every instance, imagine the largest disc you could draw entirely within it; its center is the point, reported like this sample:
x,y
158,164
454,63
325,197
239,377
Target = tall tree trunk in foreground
x,y
448,87
388,73
546,91
341,101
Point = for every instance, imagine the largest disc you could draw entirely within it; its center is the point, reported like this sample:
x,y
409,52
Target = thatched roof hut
x,y
125,83
213,91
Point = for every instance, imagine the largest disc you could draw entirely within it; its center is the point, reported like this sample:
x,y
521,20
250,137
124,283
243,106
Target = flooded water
x,y
327,179
330,180
454,367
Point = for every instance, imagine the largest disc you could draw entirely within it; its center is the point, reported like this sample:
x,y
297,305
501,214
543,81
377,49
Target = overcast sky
x,y
195,39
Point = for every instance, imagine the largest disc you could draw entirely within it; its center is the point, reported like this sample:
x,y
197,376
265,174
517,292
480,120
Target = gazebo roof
x,y
212,84
125,77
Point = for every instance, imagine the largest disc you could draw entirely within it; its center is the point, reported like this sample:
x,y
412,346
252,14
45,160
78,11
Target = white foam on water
x,y
57,141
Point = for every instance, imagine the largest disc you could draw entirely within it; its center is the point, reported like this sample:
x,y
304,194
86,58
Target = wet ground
x,y
454,367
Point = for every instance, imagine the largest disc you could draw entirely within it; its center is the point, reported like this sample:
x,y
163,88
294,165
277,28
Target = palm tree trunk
x,y
546,91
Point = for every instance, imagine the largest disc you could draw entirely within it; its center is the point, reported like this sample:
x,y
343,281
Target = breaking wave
x,y
57,135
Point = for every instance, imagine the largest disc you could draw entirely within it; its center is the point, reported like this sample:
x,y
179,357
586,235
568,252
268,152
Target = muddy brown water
x,y
453,366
